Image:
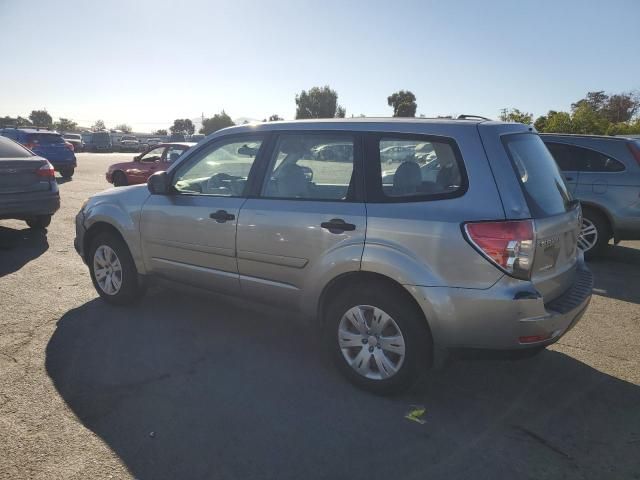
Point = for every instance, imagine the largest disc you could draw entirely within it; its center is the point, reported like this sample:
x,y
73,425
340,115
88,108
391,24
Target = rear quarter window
x,y
543,187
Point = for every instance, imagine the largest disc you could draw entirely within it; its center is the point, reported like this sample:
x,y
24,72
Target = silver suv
x,y
471,246
604,174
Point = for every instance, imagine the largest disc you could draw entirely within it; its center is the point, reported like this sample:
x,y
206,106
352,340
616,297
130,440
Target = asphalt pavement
x,y
184,386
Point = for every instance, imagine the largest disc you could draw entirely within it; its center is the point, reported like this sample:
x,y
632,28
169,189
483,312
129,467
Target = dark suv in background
x,y
48,144
604,174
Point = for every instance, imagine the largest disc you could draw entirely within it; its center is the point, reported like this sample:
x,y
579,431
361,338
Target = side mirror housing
x,y
158,183
136,158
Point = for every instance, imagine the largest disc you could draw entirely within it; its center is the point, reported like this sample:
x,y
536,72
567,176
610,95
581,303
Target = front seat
x,y
292,182
407,179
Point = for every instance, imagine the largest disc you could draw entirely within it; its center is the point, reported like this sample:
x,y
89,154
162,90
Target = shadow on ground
x,y
184,387
617,274
19,247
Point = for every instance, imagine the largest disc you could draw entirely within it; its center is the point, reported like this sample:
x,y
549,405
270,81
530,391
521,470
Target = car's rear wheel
x,y
113,270
594,234
120,179
39,222
67,172
378,338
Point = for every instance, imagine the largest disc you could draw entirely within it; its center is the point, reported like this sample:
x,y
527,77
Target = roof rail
x,y
471,117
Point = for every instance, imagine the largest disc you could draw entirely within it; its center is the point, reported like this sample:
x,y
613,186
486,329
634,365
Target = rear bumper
x,y
510,315
22,206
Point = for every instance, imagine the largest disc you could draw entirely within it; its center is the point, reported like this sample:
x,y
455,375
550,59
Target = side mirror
x,y
137,158
158,183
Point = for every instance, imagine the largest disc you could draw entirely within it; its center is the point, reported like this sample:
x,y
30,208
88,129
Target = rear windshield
x,y
538,173
45,138
11,149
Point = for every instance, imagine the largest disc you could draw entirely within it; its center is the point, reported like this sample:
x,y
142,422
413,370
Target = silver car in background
x,y
393,268
604,174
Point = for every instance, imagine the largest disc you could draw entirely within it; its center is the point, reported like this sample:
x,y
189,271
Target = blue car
x,y
48,144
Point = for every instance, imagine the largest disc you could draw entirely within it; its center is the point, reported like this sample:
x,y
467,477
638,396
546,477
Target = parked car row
x,y
393,266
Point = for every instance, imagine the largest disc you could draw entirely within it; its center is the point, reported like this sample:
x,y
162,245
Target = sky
x,y
148,62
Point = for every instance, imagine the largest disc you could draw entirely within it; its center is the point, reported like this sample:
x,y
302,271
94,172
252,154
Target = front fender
x,y
121,211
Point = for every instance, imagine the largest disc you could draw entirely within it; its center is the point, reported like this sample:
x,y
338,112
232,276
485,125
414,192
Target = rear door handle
x,y
338,225
222,216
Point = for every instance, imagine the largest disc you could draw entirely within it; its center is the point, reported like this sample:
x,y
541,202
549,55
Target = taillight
x,y
69,146
509,245
635,150
46,171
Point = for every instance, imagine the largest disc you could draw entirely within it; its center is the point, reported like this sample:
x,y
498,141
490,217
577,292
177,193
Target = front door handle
x,y
568,179
338,225
222,216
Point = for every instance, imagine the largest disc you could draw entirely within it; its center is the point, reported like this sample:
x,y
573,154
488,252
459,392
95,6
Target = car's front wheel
x,y
113,270
39,222
120,179
378,338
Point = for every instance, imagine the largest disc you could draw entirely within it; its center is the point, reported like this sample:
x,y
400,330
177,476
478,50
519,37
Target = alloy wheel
x,y
588,235
371,342
107,270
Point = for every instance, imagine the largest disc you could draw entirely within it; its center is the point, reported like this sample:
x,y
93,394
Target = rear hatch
x,y
20,172
555,215
50,146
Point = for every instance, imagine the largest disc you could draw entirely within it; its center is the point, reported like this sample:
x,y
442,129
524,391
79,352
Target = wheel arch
x,y
349,279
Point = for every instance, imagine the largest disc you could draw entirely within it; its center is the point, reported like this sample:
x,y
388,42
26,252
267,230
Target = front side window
x,y
221,170
311,167
173,152
418,169
563,156
153,155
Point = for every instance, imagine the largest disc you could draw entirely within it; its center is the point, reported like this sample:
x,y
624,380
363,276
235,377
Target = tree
x,y
595,100
586,120
18,121
275,118
558,122
403,103
621,107
124,128
318,102
41,118
215,123
182,126
516,116
99,125
160,131
341,112
65,125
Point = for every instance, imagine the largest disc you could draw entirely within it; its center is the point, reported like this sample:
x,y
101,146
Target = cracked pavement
x,y
186,386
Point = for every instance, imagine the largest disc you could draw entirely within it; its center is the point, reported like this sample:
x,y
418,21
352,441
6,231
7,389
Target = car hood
x,y
127,198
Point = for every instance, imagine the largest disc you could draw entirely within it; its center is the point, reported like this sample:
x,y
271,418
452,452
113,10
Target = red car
x,y
155,159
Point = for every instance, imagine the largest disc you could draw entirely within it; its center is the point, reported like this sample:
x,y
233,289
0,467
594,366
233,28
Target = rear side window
x,y
415,168
11,149
312,167
538,174
572,157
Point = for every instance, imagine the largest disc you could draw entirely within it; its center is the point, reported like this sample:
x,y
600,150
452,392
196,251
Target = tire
x,y
124,286
67,172
366,350
120,179
594,243
39,222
